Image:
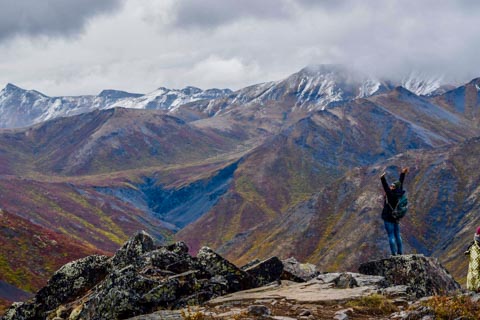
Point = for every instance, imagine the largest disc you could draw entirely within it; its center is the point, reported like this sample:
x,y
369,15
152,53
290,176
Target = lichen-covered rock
x,y
133,249
20,311
176,261
178,247
67,284
236,278
345,280
424,276
266,271
296,271
117,296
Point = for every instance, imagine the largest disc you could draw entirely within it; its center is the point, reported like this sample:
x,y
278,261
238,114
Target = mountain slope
x,y
312,153
339,226
77,211
464,100
437,123
112,140
29,253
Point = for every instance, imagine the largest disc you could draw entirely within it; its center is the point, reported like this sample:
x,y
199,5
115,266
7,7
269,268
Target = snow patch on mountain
x,y
422,84
318,86
19,107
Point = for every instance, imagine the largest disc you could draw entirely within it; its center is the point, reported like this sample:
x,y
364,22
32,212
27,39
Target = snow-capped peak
x,y
12,88
422,84
321,85
19,107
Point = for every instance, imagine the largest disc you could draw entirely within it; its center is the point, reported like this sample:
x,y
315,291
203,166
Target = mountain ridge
x,y
313,87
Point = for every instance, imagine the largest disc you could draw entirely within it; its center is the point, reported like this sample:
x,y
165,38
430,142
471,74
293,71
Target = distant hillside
x,y
30,254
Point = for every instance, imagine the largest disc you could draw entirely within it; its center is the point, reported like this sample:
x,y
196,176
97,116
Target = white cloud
x,y
214,70
227,43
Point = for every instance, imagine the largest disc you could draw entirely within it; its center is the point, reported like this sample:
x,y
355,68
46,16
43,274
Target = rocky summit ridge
x,y
147,281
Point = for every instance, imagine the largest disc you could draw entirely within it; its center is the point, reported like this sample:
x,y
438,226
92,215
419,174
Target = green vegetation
x,y
17,276
192,314
375,304
456,307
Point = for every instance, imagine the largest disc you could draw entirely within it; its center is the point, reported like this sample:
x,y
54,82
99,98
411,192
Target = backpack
x,y
401,208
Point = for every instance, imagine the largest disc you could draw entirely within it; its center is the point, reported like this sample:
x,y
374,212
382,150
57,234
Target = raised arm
x,y
384,183
402,176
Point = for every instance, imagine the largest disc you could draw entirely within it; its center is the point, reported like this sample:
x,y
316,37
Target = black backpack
x,y
401,208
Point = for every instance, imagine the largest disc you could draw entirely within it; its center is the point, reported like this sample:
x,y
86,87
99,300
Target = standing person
x,y
473,276
393,193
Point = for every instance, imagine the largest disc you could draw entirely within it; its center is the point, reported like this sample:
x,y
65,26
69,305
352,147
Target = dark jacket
x,y
392,196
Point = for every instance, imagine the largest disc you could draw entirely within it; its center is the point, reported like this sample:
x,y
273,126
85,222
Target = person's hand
x,y
382,175
405,170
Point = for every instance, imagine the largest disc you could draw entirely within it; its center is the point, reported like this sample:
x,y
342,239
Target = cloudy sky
x,y
74,47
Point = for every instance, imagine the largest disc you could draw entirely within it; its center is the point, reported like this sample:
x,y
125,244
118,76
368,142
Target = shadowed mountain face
x,y
270,169
464,100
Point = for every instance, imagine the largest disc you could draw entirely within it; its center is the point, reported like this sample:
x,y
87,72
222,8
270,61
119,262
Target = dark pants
x,y
394,238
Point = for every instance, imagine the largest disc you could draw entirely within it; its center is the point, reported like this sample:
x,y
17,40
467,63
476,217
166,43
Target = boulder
x,y
423,275
235,278
298,272
266,271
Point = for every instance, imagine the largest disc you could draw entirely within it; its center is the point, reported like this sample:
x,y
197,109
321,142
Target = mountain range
x,y
286,168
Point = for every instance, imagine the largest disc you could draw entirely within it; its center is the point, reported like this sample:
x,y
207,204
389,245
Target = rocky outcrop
x,y
422,275
142,278
139,279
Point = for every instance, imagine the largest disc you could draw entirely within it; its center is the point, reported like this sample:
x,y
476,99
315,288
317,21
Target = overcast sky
x,y
74,47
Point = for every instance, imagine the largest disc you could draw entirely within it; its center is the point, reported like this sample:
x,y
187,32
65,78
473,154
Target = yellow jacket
x,y
473,277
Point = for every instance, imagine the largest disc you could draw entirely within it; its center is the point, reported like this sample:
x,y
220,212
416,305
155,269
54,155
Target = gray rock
x,y
236,278
131,251
258,311
305,313
424,276
345,280
361,280
298,272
